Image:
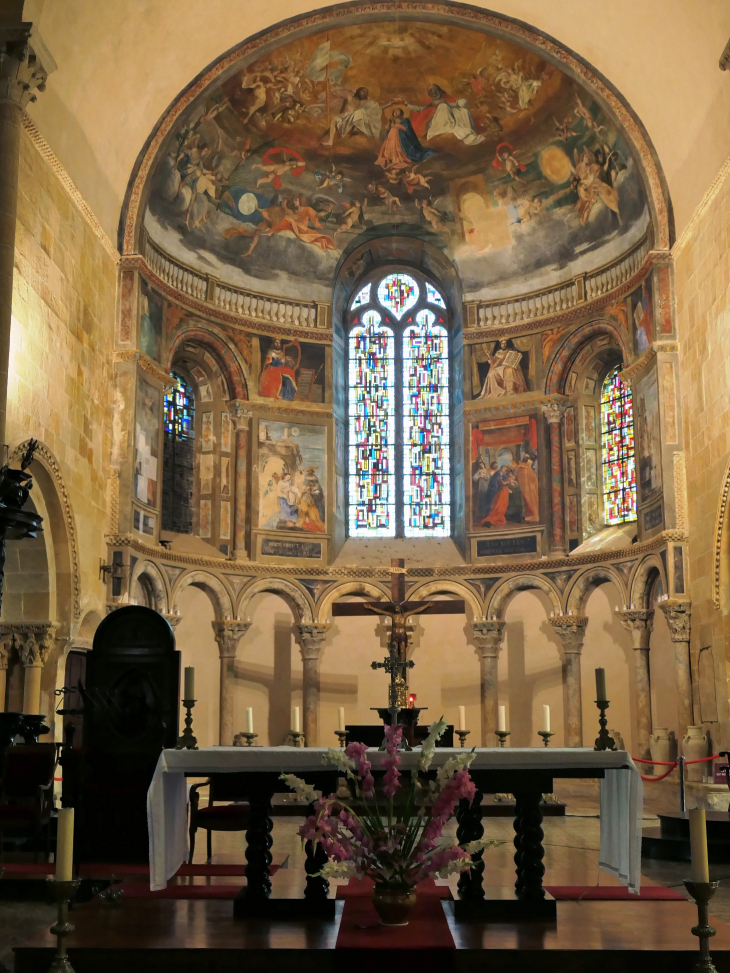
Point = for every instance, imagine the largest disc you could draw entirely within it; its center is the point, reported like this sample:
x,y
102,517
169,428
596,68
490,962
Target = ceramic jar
x,y
394,906
663,746
694,745
617,739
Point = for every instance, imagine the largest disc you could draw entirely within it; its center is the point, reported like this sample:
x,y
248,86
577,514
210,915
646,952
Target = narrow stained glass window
x,y
433,296
426,480
398,293
179,410
363,296
178,458
617,441
372,429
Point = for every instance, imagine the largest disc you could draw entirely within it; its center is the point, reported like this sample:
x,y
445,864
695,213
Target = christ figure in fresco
x,y
401,148
444,115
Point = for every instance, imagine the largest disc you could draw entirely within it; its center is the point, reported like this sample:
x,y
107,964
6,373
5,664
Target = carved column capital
x,y
311,639
572,630
228,634
638,622
173,619
678,614
32,640
488,635
553,411
25,64
6,645
240,412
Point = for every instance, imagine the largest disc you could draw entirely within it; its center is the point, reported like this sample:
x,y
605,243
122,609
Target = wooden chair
x,y
26,792
231,816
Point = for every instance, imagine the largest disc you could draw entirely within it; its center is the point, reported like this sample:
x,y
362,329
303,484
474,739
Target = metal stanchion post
x,y
682,795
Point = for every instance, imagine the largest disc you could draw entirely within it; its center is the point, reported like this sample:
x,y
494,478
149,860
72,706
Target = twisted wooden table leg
x,y
258,836
528,844
470,828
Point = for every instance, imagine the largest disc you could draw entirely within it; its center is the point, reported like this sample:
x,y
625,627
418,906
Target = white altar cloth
x,y
621,793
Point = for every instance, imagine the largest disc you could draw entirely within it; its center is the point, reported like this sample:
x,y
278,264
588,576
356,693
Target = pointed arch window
x,y
617,443
178,457
398,403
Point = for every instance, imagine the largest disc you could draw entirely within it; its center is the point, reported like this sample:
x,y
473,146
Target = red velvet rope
x,y
671,764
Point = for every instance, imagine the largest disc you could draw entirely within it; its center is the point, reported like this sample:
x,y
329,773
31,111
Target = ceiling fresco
x,y
467,140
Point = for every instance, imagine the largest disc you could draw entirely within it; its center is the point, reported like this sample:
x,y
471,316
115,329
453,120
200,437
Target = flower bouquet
x,y
392,834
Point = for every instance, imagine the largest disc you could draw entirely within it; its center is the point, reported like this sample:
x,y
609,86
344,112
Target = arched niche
x,y
219,595
292,593
500,596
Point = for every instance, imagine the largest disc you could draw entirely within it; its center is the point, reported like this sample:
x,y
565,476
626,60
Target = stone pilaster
x,y
553,412
228,634
572,630
33,642
241,418
6,646
678,614
638,623
489,635
311,639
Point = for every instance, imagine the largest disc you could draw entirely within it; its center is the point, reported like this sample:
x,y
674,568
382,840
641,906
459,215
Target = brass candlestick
x,y
702,892
604,741
249,738
462,735
297,738
63,893
342,737
187,741
546,734
502,734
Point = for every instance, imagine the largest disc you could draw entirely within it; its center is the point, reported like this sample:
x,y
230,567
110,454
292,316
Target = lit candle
x,y
341,718
700,871
249,719
65,845
295,720
546,718
501,719
462,718
601,684
189,683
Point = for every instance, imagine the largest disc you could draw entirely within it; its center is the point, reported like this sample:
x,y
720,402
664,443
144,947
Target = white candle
x,y
65,845
462,718
295,720
501,719
601,684
189,692
546,718
700,871
249,719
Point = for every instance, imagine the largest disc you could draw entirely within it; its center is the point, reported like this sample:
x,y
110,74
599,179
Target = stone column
x,y
488,635
638,623
311,637
173,619
24,66
5,646
553,412
228,634
678,614
572,630
34,643
241,418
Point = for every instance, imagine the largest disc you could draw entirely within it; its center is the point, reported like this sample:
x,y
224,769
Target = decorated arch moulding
x,y
217,345
155,577
214,587
586,581
567,351
52,467
721,529
370,591
423,593
293,593
145,362
498,598
639,586
463,15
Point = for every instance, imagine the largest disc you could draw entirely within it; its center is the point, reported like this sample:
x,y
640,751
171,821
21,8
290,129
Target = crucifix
x,y
398,610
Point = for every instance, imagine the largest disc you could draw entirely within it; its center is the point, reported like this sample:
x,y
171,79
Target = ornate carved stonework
x,y
311,638
679,615
638,622
240,412
553,411
488,635
146,363
228,634
572,630
25,64
33,641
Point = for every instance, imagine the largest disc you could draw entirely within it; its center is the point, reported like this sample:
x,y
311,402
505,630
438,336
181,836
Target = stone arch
x,y
372,591
61,526
88,625
570,348
294,594
524,582
214,588
148,573
424,591
587,581
216,344
643,579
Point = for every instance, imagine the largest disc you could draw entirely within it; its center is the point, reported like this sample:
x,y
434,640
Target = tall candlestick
x,y
546,718
501,719
601,684
295,719
249,719
341,718
700,871
65,845
462,718
189,691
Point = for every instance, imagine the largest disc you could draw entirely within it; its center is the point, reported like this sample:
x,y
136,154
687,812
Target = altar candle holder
x,y
63,892
249,738
702,892
502,734
187,741
298,738
546,734
604,741
342,737
462,735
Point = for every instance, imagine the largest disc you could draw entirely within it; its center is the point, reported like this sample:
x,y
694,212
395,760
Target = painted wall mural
x,y
291,369
147,442
648,436
504,472
292,476
150,322
479,145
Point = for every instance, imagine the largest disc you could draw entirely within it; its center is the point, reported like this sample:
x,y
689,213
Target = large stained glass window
x,y
617,441
399,424
178,458
179,410
426,478
372,508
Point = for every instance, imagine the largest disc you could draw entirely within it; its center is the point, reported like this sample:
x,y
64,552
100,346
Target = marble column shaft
x,y
638,623
678,614
5,646
488,635
572,629
553,412
311,639
228,633
241,418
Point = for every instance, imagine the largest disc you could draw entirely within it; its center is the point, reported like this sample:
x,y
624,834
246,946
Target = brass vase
x,y
394,906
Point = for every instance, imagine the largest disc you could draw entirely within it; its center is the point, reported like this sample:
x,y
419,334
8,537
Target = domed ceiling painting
x,y
481,147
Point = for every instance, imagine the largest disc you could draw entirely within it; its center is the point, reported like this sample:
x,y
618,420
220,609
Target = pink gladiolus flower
x,y
368,785
393,736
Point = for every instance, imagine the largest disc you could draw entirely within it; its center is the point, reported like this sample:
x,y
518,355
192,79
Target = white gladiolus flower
x,y
454,867
303,790
340,759
482,844
454,764
435,731
335,869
